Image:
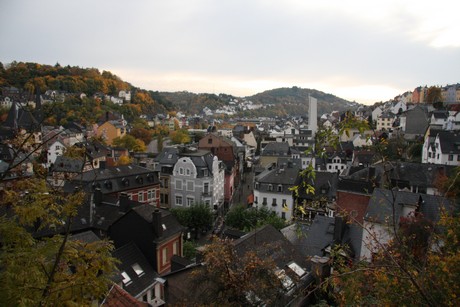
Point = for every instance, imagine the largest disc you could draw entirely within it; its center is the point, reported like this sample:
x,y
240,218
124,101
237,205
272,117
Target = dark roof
x,y
68,165
416,121
114,179
315,238
381,203
172,226
21,117
325,184
86,236
269,242
281,175
129,255
276,149
450,142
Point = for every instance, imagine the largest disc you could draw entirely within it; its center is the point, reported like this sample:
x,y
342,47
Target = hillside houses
x,y
325,194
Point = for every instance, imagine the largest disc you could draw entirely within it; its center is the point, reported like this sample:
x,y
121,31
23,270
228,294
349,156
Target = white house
x,y
271,189
57,148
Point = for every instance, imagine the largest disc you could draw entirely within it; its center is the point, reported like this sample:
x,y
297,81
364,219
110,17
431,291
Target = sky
x,y
363,51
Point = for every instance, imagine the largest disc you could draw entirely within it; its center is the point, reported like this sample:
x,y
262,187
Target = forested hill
x,y
37,78
296,98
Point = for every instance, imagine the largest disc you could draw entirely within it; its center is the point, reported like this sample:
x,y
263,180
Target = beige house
x,y
111,130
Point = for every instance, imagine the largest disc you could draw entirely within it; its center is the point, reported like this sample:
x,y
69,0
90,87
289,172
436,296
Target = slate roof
x,y
86,236
380,209
284,175
416,121
172,226
402,174
129,255
323,181
266,241
450,141
114,179
312,240
276,149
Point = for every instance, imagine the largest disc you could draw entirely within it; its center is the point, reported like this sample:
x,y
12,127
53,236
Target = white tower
x,y
312,114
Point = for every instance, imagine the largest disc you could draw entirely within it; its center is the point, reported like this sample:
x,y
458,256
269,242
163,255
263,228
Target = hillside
x,y
33,78
295,100
276,102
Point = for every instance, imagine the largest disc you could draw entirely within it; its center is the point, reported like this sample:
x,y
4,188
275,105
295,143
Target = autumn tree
x,y
180,136
142,134
229,279
129,142
54,270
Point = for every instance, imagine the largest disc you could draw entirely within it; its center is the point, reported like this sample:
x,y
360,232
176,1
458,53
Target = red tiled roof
x,y
118,297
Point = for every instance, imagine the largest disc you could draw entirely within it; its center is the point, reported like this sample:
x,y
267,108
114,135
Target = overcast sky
x,y
366,51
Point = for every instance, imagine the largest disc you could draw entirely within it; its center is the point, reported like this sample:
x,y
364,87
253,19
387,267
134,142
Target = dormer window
x,y
137,268
181,171
126,279
280,188
270,187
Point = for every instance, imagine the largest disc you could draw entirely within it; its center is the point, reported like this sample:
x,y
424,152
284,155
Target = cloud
x,y
363,49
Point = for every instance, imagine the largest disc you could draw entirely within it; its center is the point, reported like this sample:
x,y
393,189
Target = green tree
x,y
247,219
197,217
50,271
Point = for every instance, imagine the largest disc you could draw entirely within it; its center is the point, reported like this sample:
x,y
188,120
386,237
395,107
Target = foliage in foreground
x,y
418,268
55,270
230,279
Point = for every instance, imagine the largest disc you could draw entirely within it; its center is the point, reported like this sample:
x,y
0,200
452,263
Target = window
x,y
280,188
190,201
178,200
181,171
149,194
162,198
264,202
187,172
458,157
178,184
274,202
256,200
190,186
206,188
209,141
205,173
137,268
175,245
451,157
140,196
166,183
126,279
270,187
165,256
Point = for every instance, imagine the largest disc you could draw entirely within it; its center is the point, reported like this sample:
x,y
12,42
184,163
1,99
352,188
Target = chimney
x,y
339,226
156,223
123,201
97,198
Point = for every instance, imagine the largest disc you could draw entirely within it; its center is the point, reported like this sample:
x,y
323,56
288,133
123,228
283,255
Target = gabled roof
x,y
140,273
450,141
276,149
118,297
266,241
114,179
283,174
171,225
384,202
